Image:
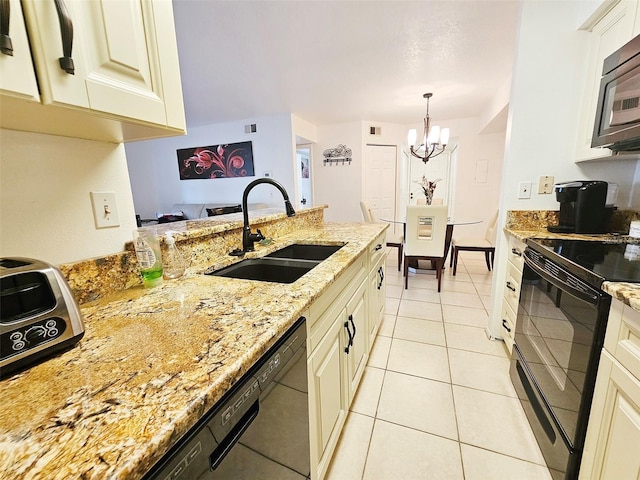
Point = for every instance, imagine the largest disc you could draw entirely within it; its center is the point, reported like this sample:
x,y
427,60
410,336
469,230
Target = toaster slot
x,y
24,295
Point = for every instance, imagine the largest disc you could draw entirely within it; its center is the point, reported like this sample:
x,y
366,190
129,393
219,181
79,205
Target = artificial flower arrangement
x,y
428,187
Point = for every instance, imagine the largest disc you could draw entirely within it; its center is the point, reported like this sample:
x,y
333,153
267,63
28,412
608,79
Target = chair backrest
x,y
490,236
426,230
366,214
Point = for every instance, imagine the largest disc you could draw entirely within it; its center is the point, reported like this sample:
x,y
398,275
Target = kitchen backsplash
x,y
203,242
536,220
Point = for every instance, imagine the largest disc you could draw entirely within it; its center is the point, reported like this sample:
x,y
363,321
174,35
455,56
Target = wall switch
x,y
546,184
105,209
524,190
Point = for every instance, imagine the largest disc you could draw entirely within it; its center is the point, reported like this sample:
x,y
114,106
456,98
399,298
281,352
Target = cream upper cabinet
x,y
17,78
606,35
107,69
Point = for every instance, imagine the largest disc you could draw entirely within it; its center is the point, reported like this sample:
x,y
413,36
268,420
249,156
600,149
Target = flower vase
x,y
428,197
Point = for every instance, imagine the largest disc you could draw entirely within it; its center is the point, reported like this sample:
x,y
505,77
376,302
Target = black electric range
x,y
615,260
562,318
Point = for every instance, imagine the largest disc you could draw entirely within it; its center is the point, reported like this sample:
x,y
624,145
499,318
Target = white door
x,y
304,176
379,185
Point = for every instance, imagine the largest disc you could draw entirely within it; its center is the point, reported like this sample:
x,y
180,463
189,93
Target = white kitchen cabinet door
x,y
327,397
124,54
17,78
377,294
606,36
613,436
358,352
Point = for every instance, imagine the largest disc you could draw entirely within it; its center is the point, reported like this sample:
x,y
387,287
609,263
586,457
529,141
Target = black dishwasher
x,y
259,429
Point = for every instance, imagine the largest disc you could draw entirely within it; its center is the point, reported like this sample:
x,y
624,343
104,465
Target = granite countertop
x,y
151,363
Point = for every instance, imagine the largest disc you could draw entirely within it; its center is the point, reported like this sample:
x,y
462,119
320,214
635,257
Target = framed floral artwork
x,y
216,161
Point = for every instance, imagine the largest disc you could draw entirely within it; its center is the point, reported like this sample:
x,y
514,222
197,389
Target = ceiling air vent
x,y
250,128
375,131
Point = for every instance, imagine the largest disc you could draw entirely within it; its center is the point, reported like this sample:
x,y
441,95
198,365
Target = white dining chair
x,y
425,237
486,244
392,240
366,212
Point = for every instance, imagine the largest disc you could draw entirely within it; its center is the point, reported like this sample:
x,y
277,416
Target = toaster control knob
x,y
36,334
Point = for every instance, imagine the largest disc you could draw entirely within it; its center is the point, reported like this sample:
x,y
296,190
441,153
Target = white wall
x,y
155,180
339,186
45,206
476,197
546,91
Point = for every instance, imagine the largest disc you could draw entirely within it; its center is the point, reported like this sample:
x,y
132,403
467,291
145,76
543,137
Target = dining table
x,y
448,235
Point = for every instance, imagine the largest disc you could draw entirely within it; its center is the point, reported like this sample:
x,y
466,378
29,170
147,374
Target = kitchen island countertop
x,y
152,362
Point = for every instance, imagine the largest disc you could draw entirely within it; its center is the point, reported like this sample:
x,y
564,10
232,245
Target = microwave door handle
x,y
587,297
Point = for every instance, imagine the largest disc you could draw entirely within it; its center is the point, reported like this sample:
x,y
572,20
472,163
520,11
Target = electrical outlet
x,y
546,184
105,209
524,190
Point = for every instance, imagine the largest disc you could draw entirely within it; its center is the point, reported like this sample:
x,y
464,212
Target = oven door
x,y
559,336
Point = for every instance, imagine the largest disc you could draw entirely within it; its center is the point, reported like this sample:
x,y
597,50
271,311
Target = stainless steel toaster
x,y
38,315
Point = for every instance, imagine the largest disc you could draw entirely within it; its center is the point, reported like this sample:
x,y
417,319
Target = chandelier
x,y
434,139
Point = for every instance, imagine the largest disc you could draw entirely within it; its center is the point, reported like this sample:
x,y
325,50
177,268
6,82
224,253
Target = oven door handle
x,y
592,298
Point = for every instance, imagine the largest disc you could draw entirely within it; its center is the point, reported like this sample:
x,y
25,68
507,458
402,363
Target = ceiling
x,y
340,61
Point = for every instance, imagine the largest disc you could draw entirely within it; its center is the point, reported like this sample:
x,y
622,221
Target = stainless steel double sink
x,y
282,266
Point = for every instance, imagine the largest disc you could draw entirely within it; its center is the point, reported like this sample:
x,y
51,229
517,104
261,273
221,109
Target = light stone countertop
x,y
151,363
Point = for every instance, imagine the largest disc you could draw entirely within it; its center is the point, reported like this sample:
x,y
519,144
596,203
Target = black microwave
x,y
617,123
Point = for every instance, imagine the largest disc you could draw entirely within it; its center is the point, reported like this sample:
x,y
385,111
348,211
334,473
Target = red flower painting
x,y
216,161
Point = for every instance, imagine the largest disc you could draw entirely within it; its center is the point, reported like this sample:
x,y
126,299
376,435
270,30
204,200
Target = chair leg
x,y
406,273
399,256
439,265
493,255
454,257
487,259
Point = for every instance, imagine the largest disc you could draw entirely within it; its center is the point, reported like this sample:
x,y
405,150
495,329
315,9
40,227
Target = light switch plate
x,y
524,190
105,209
546,184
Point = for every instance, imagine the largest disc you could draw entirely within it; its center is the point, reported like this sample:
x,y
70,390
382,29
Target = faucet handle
x,y
259,235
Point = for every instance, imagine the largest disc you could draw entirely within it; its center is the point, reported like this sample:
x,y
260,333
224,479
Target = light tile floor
x,y
436,401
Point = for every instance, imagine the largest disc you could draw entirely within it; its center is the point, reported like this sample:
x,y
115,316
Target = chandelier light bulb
x,y
444,137
412,137
434,135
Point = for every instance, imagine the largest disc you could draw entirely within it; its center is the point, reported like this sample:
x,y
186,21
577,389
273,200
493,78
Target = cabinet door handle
x,y
354,328
511,287
6,46
517,252
66,33
504,324
350,342
378,247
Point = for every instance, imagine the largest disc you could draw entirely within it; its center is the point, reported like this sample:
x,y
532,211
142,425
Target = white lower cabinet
x,y
612,445
511,290
327,398
341,323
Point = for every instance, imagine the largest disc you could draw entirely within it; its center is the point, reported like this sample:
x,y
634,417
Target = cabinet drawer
x,y
516,252
339,287
377,249
623,336
508,322
512,286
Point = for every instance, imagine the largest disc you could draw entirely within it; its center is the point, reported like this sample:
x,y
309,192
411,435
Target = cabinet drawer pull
x,y
350,342
517,252
504,324
511,287
66,33
354,327
378,247
6,45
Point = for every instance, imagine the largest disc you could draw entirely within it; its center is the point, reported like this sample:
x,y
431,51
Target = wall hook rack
x,y
340,154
